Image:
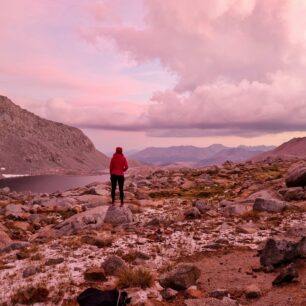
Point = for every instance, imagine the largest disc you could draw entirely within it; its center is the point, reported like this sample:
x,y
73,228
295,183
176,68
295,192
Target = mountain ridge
x,y
198,156
33,145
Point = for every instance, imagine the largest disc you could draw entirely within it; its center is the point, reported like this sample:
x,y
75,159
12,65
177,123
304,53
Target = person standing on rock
x,y
117,167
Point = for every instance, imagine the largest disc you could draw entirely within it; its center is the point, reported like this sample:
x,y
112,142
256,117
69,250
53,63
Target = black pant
x,y
120,180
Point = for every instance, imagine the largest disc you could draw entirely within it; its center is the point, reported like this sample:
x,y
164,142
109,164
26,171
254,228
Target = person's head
x,y
119,150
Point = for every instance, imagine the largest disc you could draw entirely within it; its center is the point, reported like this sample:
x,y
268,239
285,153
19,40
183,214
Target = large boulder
x,y
276,252
270,205
182,277
118,215
89,219
58,204
16,211
293,193
296,177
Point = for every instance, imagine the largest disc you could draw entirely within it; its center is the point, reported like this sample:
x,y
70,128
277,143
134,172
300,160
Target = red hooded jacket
x,y
118,164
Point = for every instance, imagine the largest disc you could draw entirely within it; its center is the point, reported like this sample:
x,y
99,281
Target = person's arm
x,y
111,166
126,166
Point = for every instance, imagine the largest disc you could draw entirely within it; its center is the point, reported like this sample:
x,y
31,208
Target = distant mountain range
x,y
294,148
196,156
32,145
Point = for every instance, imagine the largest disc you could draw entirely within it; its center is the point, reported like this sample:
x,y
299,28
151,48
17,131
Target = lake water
x,y
50,183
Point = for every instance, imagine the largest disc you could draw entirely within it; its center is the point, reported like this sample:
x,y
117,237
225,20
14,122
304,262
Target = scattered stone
x,y
219,294
192,213
252,292
95,274
294,194
269,205
182,277
16,245
246,229
287,275
29,271
5,190
229,208
193,292
296,177
154,222
276,252
113,265
98,242
54,261
202,206
168,293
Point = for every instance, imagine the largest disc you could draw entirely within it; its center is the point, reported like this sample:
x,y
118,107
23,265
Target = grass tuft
x,y
137,277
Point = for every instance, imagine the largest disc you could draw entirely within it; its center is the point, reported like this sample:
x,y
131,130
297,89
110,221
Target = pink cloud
x,y
240,64
47,72
110,115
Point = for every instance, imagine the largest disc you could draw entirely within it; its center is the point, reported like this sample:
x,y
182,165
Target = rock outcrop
x,y
269,205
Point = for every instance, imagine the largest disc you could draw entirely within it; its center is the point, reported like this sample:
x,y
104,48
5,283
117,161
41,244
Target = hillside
x,y
231,154
294,148
33,145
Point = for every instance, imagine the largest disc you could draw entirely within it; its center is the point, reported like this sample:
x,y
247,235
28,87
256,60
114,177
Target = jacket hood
x,y
118,150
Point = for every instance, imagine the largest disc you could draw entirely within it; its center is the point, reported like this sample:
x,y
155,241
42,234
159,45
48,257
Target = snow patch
x,y
13,175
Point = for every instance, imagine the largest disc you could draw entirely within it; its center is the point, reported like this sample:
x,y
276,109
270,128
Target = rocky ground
x,y
227,235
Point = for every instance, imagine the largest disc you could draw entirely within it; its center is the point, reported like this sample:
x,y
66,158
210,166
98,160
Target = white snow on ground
x,y
189,238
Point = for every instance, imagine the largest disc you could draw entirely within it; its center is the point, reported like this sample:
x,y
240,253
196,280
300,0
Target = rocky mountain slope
x,y
233,234
32,145
214,154
294,148
231,154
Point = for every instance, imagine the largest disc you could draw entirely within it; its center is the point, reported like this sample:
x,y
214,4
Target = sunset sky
x,y
141,73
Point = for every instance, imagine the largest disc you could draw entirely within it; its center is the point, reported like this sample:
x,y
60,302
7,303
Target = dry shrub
x,y
251,215
130,256
30,295
137,277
